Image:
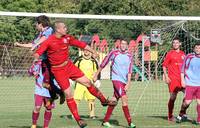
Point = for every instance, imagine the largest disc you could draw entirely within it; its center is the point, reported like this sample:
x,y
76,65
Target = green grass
x,y
147,104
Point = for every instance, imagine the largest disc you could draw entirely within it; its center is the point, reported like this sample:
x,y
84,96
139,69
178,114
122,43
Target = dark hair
x,y
177,38
196,44
44,20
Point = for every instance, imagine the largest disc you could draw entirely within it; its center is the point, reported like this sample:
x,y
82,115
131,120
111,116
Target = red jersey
x,y
173,62
58,48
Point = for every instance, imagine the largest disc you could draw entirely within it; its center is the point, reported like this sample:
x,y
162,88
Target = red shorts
x,y
118,89
175,86
63,74
192,92
39,100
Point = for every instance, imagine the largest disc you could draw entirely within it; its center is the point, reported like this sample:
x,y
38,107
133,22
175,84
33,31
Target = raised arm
x,y
42,39
81,44
28,45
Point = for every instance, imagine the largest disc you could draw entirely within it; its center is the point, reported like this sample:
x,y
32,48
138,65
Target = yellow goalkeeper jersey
x,y
87,66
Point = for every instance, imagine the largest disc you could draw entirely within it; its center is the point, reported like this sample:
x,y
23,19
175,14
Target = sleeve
x,y
48,32
107,59
185,64
43,47
75,61
96,67
78,61
166,60
77,43
35,68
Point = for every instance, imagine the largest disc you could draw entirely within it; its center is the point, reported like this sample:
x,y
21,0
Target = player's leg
x,y
54,89
91,103
61,76
78,93
173,90
47,118
198,111
121,93
77,75
189,95
36,111
108,114
171,102
91,106
47,113
125,109
73,107
198,105
95,91
182,114
110,109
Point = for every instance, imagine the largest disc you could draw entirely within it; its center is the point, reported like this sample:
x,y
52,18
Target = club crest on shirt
x,y
182,57
65,41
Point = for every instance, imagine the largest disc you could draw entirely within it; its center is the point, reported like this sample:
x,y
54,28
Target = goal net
x,y
148,95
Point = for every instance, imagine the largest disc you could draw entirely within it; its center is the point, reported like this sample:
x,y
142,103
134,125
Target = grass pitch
x,y
147,104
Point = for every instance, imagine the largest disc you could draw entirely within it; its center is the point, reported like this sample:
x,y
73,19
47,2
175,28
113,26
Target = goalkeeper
x,y
88,65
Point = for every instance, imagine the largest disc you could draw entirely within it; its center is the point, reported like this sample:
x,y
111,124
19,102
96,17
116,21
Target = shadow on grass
x,y
160,117
166,118
86,117
23,126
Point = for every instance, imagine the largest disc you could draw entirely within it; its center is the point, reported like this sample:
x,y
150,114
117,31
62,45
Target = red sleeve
x,y
43,47
77,43
166,60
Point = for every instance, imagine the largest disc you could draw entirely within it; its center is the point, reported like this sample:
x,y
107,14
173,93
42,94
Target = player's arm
x,y
44,36
165,63
129,74
128,84
183,80
41,50
183,73
81,44
28,45
103,64
95,77
42,39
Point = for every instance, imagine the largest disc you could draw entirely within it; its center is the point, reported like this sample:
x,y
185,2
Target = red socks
x,y
95,92
108,113
110,110
127,114
35,117
170,108
47,118
73,108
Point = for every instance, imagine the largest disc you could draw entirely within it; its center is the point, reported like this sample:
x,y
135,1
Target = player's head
x,y
60,28
197,48
42,22
87,54
123,45
176,44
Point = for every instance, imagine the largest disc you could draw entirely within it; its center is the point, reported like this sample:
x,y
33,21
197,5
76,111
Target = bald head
x,y
60,28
